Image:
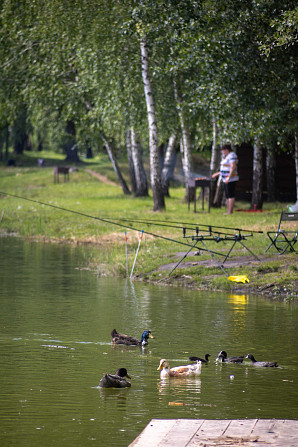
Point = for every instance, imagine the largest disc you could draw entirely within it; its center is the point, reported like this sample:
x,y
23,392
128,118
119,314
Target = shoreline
x,y
273,290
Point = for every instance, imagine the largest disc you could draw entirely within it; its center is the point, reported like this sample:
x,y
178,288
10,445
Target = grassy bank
x,y
95,204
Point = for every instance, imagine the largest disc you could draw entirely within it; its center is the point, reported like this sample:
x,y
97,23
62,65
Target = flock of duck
x,y
118,380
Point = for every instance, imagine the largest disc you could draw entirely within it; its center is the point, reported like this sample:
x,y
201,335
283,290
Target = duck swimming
x,y
115,380
265,364
123,339
198,359
178,371
222,355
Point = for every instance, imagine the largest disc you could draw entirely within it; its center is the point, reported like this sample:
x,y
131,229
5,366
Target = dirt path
x,y
230,263
100,177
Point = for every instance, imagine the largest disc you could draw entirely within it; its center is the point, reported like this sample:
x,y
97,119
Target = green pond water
x,y
56,318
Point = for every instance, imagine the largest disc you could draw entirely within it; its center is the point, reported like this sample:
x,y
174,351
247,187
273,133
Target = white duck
x,y
179,371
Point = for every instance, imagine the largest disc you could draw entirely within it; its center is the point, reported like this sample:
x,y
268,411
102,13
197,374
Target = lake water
x,y
56,318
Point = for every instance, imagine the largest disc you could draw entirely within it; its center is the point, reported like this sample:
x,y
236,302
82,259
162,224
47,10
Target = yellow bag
x,y
240,278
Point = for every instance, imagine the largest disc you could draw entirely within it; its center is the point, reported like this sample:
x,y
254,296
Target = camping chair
x,y
283,238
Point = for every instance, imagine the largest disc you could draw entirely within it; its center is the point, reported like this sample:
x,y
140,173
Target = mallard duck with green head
x,y
116,380
123,339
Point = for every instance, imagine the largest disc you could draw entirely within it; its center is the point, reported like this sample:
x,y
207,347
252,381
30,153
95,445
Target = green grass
x,y
92,200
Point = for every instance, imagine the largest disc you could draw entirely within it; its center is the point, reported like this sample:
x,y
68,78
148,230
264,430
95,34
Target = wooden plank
x,y
240,428
285,432
199,432
265,433
182,432
154,433
210,429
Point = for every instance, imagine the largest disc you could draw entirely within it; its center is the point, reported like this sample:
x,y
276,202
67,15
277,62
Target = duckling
x,y
178,371
265,364
198,359
123,339
225,359
115,380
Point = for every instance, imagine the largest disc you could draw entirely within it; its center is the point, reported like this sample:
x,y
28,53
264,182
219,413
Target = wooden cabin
x,y
285,175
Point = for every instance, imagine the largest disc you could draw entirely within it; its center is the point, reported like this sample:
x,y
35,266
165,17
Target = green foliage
x,y
80,61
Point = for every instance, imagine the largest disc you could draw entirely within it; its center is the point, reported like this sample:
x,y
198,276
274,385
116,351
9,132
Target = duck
x,y
178,371
123,339
115,380
265,364
198,359
222,355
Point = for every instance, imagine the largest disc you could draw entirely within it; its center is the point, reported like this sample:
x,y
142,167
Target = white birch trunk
x,y
186,152
110,152
169,163
215,155
132,174
156,184
140,174
215,165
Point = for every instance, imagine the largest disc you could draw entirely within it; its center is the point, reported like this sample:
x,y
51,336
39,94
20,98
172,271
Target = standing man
x,y
229,175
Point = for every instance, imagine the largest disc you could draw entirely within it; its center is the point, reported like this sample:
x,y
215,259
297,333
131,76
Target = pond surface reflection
x,y
55,346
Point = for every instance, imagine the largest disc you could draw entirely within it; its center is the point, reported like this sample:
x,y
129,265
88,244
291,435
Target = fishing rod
x,y
158,222
163,223
97,218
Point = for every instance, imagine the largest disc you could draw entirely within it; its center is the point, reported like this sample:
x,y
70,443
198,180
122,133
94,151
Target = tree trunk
x,y
70,147
20,136
156,184
115,165
1,144
186,147
296,164
189,191
140,174
39,146
169,164
215,160
71,151
132,174
3,139
7,142
89,152
257,188
271,175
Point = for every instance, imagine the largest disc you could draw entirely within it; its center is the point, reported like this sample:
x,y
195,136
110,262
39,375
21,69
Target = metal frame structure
x,y
283,238
212,234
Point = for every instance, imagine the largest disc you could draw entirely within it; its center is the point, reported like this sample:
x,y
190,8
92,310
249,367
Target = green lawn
x,y
88,210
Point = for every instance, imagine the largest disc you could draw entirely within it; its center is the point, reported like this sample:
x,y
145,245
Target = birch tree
x,y
155,172
117,170
140,174
215,157
186,146
169,163
132,174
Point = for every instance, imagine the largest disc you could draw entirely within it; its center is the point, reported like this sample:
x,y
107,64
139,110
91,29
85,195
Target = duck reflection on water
x,y
180,386
117,395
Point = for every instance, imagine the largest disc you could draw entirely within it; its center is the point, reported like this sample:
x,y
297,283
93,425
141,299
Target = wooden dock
x,y
208,433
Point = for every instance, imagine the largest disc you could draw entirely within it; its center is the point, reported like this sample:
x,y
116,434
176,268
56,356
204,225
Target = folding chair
x,y
283,239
